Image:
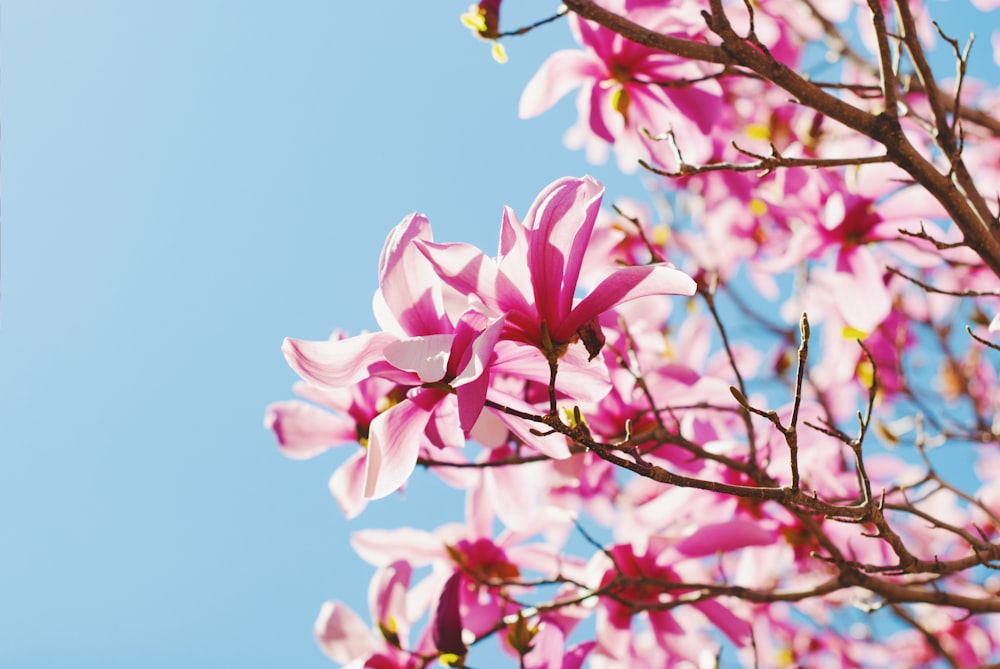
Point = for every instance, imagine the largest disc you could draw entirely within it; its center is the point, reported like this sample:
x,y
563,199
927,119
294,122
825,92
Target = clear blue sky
x,y
184,184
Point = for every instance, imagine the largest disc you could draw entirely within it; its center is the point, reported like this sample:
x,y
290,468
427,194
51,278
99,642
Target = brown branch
x,y
966,207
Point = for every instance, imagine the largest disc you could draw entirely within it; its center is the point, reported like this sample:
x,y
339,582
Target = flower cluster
x,y
755,479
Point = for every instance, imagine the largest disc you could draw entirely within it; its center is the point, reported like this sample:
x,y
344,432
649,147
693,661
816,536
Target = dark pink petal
x,y
471,399
601,121
561,73
735,628
577,654
725,537
664,625
342,635
394,442
337,363
475,337
560,223
304,430
448,618
627,283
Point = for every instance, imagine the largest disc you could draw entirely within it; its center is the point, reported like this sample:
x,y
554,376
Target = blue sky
x,y
186,183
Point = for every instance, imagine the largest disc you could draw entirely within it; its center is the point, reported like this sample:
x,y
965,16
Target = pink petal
x,y
305,431
407,282
383,547
387,595
426,356
471,400
512,263
394,442
560,222
725,537
342,635
561,73
465,268
627,283
736,629
447,623
347,485
553,445
859,291
341,362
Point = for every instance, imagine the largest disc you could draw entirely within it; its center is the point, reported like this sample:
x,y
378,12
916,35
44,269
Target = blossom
x,y
625,88
533,279
440,365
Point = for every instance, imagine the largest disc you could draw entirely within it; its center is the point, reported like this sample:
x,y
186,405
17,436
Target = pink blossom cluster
x,y
727,483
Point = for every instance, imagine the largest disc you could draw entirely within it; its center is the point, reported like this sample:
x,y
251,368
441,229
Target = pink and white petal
x,y
554,445
548,648
465,268
336,363
578,377
516,492
561,73
595,36
393,444
426,356
342,634
387,596
859,292
347,485
328,396
476,336
304,430
407,282
383,547
444,430
603,120
627,283
560,224
489,431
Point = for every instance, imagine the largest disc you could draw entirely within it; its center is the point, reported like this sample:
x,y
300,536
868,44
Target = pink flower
x,y
626,87
441,366
533,280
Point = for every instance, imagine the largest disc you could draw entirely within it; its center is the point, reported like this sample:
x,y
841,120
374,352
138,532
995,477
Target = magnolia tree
x,y
709,440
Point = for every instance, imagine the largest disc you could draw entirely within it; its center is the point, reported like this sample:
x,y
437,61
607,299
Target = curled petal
x,y
335,363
